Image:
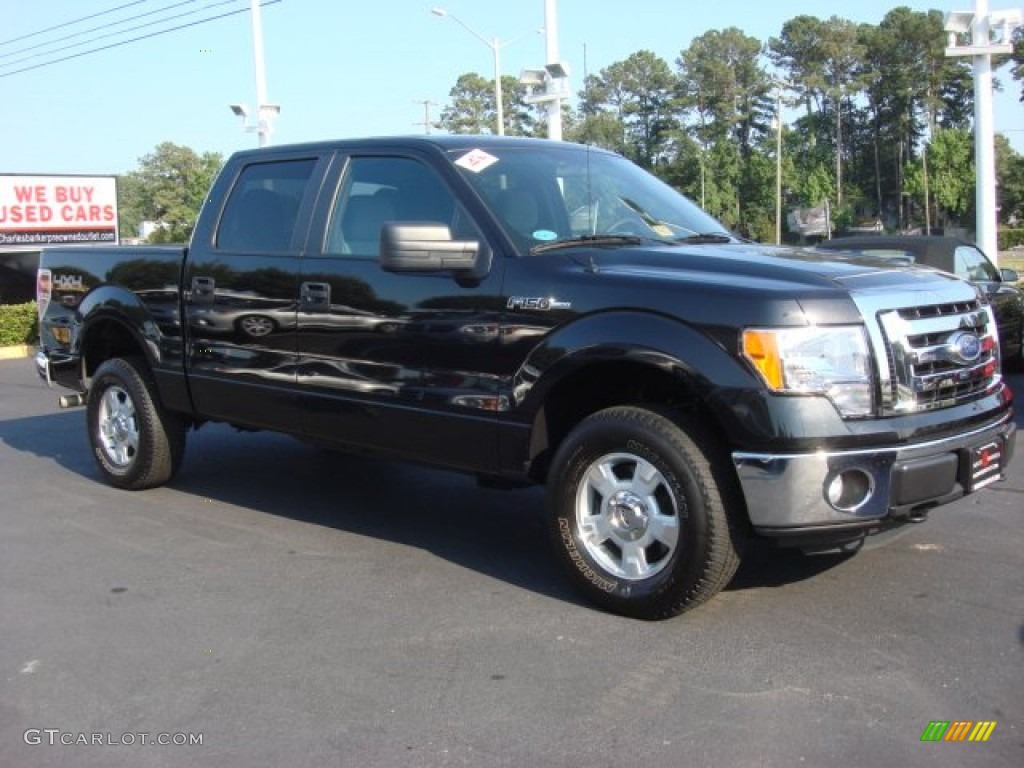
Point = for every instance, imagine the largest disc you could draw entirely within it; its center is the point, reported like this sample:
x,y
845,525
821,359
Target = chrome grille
x,y
927,367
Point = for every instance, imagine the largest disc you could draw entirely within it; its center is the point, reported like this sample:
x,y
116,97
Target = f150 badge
x,y
536,302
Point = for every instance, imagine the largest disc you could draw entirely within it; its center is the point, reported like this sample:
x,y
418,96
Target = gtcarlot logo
x,y
958,730
55,736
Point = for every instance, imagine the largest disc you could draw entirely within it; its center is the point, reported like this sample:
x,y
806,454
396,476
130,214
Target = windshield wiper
x,y
571,242
700,238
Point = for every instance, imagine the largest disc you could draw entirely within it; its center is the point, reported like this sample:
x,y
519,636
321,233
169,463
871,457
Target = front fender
x,y
703,365
645,337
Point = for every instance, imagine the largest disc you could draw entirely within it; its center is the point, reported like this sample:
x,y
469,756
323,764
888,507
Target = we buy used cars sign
x,y
47,210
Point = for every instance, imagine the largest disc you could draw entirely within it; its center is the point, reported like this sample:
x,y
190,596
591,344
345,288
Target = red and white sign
x,y
49,210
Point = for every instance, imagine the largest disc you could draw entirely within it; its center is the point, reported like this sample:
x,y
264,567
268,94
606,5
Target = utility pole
x,y
427,104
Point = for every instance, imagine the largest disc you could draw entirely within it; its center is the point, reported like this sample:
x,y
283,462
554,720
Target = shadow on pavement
x,y
498,533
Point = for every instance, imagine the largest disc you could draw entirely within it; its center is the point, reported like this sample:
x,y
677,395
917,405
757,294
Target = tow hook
x,y
72,401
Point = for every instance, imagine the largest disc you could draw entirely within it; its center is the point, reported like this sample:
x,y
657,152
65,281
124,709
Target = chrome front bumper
x,y
789,493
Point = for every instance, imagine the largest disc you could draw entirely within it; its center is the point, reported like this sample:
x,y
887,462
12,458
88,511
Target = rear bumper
x,y
789,494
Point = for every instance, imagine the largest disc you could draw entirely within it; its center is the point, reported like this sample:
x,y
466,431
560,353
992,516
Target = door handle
x,y
203,289
318,294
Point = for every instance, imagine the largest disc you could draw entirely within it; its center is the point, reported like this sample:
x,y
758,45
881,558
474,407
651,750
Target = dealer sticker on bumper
x,y
986,465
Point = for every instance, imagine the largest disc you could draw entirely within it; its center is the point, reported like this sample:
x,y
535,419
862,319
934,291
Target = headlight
x,y
820,360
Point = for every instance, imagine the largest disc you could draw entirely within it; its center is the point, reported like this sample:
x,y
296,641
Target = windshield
x,y
544,195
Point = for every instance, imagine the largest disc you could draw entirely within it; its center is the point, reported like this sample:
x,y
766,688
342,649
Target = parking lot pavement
x,y
290,607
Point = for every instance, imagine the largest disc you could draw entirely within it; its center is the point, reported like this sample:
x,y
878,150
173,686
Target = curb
x,y
15,352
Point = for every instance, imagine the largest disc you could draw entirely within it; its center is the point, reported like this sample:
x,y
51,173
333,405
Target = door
x,y
404,363
240,288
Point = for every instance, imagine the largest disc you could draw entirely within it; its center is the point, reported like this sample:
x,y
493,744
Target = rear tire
x,y
644,512
136,442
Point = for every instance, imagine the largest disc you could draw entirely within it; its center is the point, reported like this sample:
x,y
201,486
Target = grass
x,y
1012,260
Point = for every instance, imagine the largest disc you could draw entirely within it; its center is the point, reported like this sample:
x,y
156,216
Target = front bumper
x,y
58,368
789,494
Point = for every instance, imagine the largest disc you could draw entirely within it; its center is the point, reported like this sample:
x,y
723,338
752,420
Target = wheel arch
x,y
115,323
680,369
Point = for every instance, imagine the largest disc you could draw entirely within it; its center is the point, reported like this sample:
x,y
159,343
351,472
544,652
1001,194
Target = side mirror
x,y
1009,275
429,247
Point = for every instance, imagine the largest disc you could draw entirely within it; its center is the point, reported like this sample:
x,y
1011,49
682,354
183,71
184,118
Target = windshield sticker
x,y
545,234
661,230
476,160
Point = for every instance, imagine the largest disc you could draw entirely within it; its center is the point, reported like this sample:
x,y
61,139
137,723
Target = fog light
x,y
850,490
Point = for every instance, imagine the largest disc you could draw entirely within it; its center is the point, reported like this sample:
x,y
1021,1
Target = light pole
x,y
495,45
265,113
779,85
980,24
552,87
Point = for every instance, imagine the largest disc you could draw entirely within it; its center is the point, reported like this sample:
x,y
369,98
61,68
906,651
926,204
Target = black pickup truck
x,y
537,312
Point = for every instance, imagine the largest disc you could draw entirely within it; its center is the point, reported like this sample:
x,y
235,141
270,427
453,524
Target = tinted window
x,y
971,264
378,190
263,206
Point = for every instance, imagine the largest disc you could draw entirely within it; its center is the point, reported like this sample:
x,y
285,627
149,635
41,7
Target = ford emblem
x,y
964,347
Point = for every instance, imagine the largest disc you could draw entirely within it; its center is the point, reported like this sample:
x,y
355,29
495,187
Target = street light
x,y
549,78
265,113
980,24
262,124
495,45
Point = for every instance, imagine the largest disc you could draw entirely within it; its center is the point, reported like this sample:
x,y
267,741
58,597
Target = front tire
x,y
137,444
644,512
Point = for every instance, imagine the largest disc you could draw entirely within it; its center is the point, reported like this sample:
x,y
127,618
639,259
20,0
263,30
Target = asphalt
x,y
292,607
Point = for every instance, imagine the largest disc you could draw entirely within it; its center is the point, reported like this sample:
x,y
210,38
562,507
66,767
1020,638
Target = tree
x,y
950,179
640,93
169,187
721,79
722,82
1010,176
824,58
1018,58
472,108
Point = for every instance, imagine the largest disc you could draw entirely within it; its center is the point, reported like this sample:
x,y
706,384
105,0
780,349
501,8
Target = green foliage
x,y
722,81
19,324
1009,238
472,109
169,187
1018,58
640,93
1010,173
870,95
951,171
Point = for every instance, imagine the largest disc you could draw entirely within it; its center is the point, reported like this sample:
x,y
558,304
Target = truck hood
x,y
759,285
762,268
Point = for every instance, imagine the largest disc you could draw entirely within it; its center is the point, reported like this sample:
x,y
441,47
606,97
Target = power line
x,y
118,32
136,39
70,23
91,29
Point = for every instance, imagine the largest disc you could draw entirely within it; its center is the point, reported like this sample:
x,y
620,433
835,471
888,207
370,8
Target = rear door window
x,y
263,207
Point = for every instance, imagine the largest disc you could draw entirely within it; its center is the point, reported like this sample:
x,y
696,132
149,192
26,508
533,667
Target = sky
x,y
338,68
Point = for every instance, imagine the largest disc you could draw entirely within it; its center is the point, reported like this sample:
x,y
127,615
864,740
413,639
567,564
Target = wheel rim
x,y
627,517
256,325
118,427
